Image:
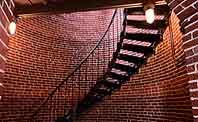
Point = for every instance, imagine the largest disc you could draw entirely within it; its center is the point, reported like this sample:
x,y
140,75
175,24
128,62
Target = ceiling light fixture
x,y
149,12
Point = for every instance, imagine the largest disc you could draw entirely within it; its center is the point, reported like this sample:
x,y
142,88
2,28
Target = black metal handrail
x,y
75,70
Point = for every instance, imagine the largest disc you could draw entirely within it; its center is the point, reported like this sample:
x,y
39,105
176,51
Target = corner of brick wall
x,y
186,10
6,16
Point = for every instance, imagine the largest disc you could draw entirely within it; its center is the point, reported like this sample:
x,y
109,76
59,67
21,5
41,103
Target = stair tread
x,y
136,42
159,10
130,58
120,72
121,78
143,37
137,48
132,53
124,67
157,24
101,87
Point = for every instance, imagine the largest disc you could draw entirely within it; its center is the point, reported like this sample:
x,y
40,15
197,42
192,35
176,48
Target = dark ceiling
x,y
36,7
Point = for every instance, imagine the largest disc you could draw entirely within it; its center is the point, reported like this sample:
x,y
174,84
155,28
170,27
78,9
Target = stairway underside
x,y
45,7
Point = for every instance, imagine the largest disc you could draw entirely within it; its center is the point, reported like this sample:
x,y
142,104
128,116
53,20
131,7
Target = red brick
x,y
193,85
175,3
189,53
191,68
187,37
195,120
191,43
3,19
178,9
9,2
192,59
190,20
8,14
197,66
186,13
192,27
188,2
3,49
195,103
196,5
193,76
4,36
12,6
195,34
2,64
195,111
195,50
40,55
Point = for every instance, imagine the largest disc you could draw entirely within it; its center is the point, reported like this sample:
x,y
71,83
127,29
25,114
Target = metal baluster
x,y
79,94
51,108
86,79
98,67
109,46
92,63
65,96
120,13
113,35
104,61
59,102
117,17
72,99
55,105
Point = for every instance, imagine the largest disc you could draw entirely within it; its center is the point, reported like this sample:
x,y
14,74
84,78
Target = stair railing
x,y
77,84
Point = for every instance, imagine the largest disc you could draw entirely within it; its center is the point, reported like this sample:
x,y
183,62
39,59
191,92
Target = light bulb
x,y
150,16
1,90
12,28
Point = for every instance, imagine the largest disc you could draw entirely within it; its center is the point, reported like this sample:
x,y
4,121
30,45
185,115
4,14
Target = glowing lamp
x,y
149,13
1,90
12,27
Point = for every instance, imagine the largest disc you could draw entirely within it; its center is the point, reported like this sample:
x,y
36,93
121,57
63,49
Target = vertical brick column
x,y
186,10
6,16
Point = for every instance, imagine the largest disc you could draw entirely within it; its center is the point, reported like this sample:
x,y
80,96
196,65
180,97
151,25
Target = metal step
x,y
137,48
121,78
136,60
101,88
157,24
130,70
143,37
120,72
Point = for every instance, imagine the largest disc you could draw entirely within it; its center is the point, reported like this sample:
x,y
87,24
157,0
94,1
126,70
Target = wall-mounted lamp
x,y
1,90
149,12
12,27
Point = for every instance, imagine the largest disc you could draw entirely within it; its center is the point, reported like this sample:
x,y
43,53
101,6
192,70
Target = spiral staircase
x,y
137,42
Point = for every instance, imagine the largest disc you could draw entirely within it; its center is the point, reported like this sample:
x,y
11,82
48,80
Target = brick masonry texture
x,y
186,10
159,92
5,18
42,53
46,48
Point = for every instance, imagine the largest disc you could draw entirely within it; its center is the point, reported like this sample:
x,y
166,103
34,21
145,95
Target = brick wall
x,y
44,49
186,10
42,53
159,92
6,16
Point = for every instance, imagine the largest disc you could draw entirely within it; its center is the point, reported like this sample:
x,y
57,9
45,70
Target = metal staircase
x,y
135,42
